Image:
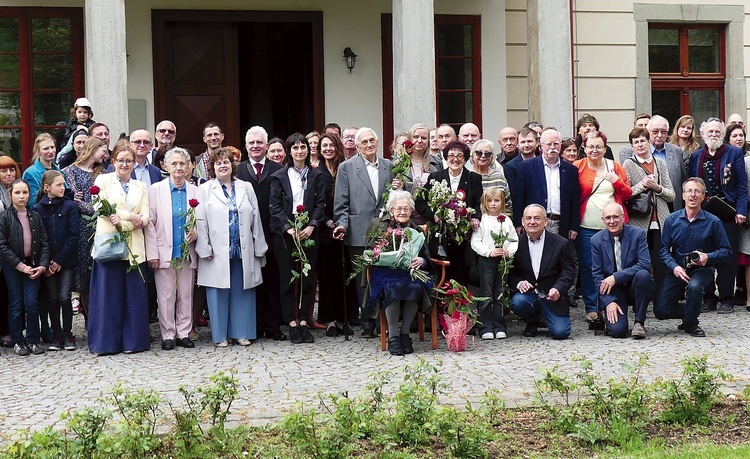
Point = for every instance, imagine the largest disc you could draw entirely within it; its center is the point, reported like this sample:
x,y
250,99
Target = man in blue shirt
x,y
692,243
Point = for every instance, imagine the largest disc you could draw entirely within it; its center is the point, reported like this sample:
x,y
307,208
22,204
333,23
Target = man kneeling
x,y
540,285
692,242
620,265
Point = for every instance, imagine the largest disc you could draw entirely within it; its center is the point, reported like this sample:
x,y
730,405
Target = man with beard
x,y
722,168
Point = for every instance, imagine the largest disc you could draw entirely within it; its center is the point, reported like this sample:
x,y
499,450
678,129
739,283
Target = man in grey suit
x,y
658,128
360,183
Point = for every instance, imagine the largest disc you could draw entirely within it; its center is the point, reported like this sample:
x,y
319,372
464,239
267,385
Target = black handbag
x,y
641,204
719,207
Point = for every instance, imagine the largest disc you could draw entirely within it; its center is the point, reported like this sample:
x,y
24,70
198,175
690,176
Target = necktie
x,y
618,253
258,169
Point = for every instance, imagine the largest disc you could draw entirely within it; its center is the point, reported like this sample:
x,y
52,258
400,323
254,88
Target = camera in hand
x,y
691,259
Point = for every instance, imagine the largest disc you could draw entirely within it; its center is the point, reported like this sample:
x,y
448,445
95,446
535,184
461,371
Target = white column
x,y
550,63
413,64
106,63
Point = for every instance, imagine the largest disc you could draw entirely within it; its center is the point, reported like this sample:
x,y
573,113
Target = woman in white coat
x,y
232,247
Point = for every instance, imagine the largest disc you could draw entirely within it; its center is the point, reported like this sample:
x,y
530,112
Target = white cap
x,y
82,102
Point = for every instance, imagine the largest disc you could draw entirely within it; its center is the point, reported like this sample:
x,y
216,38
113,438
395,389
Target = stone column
x,y
550,63
413,64
106,63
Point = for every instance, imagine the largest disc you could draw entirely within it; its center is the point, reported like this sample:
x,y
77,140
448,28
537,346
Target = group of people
x,y
153,227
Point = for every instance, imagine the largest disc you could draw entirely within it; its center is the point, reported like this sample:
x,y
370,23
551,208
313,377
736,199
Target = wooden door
x,y
195,66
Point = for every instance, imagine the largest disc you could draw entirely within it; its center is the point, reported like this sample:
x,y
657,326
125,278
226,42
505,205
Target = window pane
x,y
10,108
703,49
704,104
10,143
50,34
453,40
663,51
454,73
52,108
456,108
8,35
55,71
667,104
10,73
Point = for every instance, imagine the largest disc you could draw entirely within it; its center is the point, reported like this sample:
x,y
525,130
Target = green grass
x,y
688,451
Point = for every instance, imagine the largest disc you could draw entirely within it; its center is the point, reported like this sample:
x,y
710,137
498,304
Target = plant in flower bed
x,y
104,208
458,317
394,248
400,166
451,209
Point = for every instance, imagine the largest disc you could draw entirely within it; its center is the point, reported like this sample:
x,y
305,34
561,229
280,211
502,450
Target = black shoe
x,y
597,324
541,322
530,330
21,349
167,345
307,337
331,331
36,349
407,344
694,330
726,308
295,335
369,333
345,330
709,304
276,335
185,342
572,302
354,322
394,346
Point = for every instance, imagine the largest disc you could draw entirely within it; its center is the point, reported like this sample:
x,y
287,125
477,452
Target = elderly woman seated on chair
x,y
391,283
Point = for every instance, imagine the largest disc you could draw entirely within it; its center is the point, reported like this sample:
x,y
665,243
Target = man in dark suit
x,y
553,184
360,183
722,167
527,147
543,272
620,264
258,170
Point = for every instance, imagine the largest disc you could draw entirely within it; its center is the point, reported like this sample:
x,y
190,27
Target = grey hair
x,y
361,131
714,120
177,151
257,130
654,119
397,195
619,206
694,179
549,131
481,142
538,206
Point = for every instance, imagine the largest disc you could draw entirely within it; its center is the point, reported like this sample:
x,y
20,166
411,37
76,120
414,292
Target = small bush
x,y
689,399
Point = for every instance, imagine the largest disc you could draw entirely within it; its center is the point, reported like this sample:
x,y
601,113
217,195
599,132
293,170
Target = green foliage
x,y
689,399
88,425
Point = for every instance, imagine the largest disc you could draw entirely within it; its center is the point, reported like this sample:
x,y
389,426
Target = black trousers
x,y
291,307
330,274
268,310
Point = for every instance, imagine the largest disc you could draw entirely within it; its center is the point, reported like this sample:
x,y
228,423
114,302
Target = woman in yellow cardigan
x,y
118,311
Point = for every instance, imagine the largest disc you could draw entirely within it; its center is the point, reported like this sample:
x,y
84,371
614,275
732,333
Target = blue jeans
x,y
588,289
528,306
23,294
666,305
637,293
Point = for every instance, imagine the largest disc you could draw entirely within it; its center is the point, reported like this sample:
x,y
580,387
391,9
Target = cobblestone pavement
x,y
275,375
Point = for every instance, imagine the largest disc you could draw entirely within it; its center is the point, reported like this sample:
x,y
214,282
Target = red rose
x,y
460,194
300,209
408,144
501,218
193,203
463,212
94,190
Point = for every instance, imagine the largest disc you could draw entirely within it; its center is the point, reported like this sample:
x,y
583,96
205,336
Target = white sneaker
x,y
488,335
500,335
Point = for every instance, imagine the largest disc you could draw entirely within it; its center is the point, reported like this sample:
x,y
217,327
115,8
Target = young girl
x,y
495,221
62,224
24,254
81,115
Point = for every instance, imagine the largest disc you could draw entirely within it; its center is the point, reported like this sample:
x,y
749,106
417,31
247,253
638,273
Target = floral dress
x,y
81,180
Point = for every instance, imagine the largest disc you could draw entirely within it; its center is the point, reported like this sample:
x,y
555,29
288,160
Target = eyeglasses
x,y
124,162
613,218
713,119
398,210
659,131
141,142
692,192
455,156
486,154
596,147
167,131
368,141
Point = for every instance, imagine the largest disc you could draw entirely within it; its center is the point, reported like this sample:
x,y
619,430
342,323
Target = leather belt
x,y
553,217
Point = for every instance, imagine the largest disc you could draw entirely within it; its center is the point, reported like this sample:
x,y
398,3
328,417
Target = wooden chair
x,y
442,265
